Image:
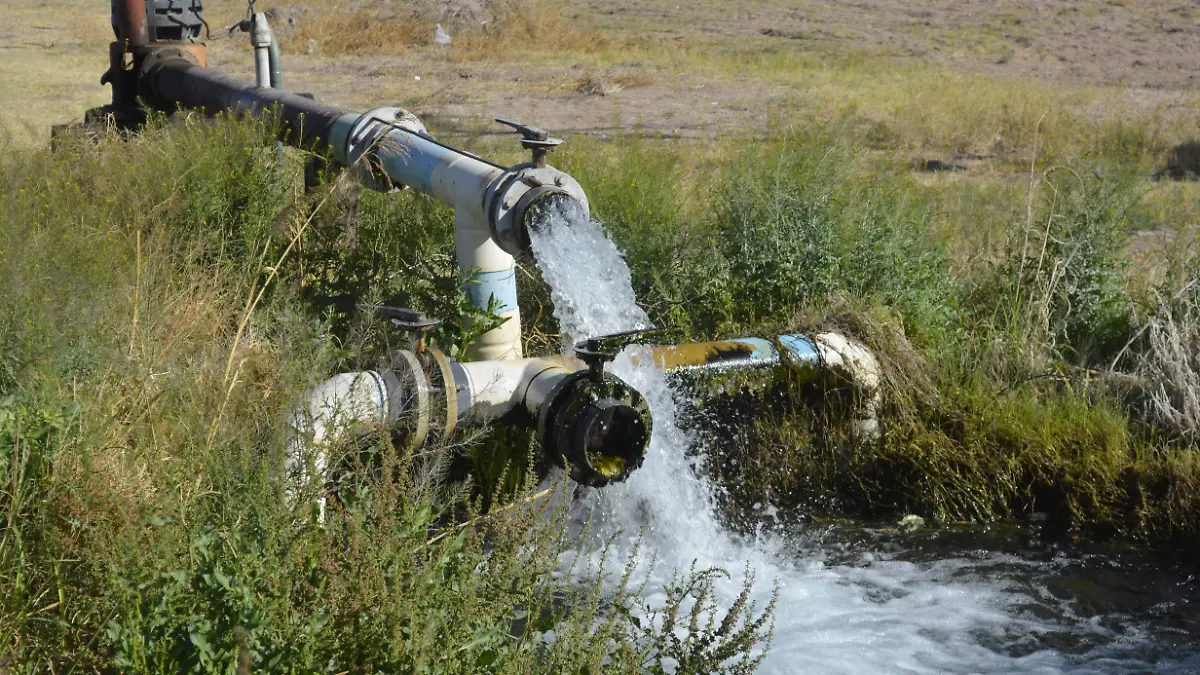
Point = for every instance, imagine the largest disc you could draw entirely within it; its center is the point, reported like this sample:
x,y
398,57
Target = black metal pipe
x,y
169,83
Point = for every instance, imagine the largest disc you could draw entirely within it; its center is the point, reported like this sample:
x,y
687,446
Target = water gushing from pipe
x,y
589,281
876,614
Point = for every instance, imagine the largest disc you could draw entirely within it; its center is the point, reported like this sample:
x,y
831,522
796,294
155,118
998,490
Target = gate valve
x,y
534,139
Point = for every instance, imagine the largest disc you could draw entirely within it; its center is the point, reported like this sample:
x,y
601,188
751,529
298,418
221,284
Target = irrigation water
x,y
854,601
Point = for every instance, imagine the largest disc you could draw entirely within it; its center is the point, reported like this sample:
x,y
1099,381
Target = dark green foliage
x,y
779,227
1064,278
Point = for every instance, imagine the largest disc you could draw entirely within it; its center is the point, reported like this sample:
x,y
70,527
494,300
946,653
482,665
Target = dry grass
x,y
1171,365
508,28
600,82
92,31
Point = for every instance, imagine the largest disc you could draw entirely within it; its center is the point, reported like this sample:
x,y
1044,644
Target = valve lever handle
x,y
535,139
403,318
598,350
527,132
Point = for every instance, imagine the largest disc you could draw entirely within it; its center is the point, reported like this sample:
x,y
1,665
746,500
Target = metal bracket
x,y
364,138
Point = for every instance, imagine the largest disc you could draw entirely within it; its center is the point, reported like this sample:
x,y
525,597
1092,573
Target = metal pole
x,y
276,61
261,38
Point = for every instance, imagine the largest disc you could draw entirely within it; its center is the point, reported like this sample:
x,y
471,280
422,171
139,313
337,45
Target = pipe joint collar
x,y
422,395
368,135
598,427
260,31
154,60
517,201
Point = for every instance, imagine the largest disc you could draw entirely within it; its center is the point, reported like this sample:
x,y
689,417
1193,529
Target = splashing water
x,y
873,613
589,281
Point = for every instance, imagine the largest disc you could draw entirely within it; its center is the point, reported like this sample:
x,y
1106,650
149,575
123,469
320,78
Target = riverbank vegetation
x,y
1033,368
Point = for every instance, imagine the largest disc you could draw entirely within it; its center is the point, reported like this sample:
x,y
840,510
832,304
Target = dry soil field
x,y
694,68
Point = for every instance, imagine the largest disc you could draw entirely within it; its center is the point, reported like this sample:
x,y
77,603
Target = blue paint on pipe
x,y
411,161
339,136
500,285
799,349
763,350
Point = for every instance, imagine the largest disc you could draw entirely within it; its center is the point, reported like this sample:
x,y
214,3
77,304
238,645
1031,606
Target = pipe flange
x,y
508,200
365,137
410,401
441,378
598,426
153,60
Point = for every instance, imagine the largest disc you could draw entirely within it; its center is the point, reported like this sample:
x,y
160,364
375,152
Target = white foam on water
x,y
875,616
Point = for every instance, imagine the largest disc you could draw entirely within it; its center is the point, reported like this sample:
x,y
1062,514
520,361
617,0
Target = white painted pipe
x,y
359,404
391,148
489,390
853,361
348,403
399,153
847,359
494,282
260,39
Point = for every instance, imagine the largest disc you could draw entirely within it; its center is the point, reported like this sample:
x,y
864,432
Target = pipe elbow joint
x,y
261,34
527,197
854,362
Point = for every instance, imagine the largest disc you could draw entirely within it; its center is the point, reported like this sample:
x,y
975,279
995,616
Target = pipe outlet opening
x,y
529,197
596,426
611,436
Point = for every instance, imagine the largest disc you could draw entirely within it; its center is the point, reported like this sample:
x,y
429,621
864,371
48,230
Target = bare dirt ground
x,y
1140,43
52,54
1145,51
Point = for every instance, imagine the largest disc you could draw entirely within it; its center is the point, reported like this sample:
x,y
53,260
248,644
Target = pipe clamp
x,y
366,136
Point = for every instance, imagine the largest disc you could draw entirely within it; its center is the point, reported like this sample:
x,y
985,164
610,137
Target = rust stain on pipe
x,y
131,19
719,355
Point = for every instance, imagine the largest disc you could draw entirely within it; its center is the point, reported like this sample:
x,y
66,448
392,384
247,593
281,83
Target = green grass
x,y
143,389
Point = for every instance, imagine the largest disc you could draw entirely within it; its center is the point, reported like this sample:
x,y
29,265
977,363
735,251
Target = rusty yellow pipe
x,y
739,354
812,357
